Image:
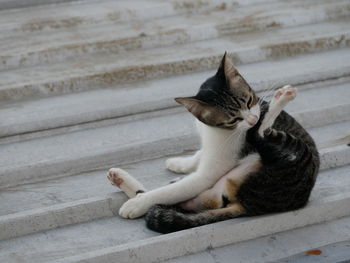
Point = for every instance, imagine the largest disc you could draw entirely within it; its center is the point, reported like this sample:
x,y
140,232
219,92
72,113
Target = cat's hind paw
x,y
135,207
117,176
122,179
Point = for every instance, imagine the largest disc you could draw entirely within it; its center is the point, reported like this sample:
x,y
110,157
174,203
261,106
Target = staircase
x,y
88,85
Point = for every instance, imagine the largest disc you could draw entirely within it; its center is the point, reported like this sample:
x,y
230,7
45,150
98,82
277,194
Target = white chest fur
x,y
220,148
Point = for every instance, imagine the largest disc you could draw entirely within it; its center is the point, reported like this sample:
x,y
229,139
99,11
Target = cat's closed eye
x,y
249,103
236,119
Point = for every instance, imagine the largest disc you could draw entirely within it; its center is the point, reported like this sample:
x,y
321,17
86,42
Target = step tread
x,y
100,64
336,252
95,105
73,188
111,232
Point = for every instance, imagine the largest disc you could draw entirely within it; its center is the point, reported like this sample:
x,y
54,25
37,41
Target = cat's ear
x,y
221,70
227,70
206,113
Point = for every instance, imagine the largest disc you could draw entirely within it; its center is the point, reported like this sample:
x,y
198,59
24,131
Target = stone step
x,y
335,252
87,13
331,238
59,114
116,238
79,151
109,70
51,47
56,203
88,196
9,4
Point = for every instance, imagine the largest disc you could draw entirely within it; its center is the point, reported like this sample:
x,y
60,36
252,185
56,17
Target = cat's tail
x,y
167,219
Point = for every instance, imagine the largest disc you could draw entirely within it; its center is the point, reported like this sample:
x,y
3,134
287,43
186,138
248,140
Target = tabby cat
x,y
255,159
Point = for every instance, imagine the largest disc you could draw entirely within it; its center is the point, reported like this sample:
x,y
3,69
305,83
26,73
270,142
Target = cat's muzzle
x,y
251,119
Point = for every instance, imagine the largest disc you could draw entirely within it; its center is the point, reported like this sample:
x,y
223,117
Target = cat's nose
x,y
252,119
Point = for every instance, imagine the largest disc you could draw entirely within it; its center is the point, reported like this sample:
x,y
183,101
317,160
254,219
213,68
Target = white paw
x,y
180,165
117,176
284,95
135,207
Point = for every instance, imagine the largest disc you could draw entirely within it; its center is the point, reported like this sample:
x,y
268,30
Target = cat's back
x,y
280,185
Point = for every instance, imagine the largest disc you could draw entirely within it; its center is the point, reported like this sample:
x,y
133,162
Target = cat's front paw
x,y
135,207
179,165
284,94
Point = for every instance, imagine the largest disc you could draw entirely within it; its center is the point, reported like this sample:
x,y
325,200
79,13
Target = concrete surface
x,y
86,85
130,99
336,253
282,247
32,48
56,203
80,151
58,243
104,70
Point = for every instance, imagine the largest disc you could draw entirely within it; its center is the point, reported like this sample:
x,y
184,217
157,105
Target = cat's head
x,y
224,100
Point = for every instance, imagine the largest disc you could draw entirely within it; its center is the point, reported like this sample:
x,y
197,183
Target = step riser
x,y
168,38
77,123
38,220
123,155
215,235
317,118
131,153
116,76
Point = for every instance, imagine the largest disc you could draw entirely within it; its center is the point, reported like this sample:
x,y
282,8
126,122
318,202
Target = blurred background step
x,y
96,108
28,49
8,4
106,70
85,13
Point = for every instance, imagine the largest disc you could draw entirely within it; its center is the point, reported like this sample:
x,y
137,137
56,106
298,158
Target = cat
x,y
254,159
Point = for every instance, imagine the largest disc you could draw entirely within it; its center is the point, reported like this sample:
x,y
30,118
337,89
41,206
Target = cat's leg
x,y
128,184
208,173
282,149
223,193
183,165
280,99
